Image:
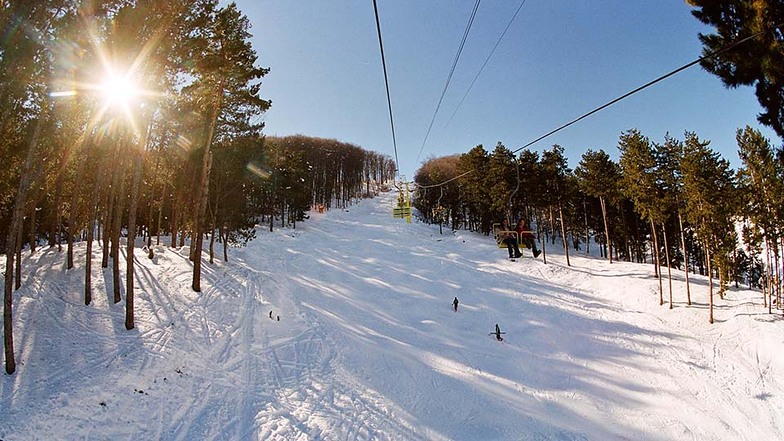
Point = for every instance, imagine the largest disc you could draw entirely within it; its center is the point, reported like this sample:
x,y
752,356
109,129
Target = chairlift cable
x,y
626,95
485,63
449,77
386,82
646,85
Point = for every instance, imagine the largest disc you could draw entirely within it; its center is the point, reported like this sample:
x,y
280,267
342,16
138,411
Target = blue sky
x,y
559,60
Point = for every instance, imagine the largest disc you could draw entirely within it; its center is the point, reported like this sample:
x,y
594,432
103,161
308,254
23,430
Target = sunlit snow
x,y
368,347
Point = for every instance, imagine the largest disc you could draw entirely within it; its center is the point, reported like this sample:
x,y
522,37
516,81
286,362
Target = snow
x,y
368,346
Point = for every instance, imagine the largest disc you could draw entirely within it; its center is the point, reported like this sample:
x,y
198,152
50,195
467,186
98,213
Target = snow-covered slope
x,y
367,346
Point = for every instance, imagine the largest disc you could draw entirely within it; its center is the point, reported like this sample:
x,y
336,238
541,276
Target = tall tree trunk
x,y
587,231
175,213
204,188
158,223
18,255
100,180
116,232
777,277
20,202
667,256
768,277
197,237
543,242
656,261
563,234
32,232
129,257
105,225
710,281
606,229
72,212
685,258
212,238
56,215
111,203
150,252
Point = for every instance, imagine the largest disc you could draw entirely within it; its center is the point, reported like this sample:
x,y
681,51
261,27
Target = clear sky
x,y
557,61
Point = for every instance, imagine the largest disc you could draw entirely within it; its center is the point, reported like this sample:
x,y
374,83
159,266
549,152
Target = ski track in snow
x,y
368,348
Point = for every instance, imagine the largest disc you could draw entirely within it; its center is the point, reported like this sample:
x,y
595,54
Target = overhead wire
x,y
386,82
449,77
626,95
508,25
644,86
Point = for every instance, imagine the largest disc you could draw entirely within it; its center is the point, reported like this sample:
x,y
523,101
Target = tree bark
x,y
587,231
685,258
13,244
129,257
656,261
768,277
72,212
563,234
204,188
18,254
91,225
116,233
710,282
667,256
606,229
31,233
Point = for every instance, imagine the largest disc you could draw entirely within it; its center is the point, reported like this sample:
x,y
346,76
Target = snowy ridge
x,y
368,347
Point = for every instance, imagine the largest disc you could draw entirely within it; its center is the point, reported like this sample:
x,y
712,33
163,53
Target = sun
x,y
119,91
120,96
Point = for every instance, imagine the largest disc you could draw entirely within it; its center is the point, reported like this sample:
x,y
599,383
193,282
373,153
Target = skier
x,y
498,333
455,302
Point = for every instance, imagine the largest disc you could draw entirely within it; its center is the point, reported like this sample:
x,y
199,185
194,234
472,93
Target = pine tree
x,y
756,62
710,196
668,158
474,165
226,89
638,167
558,188
501,182
598,176
763,191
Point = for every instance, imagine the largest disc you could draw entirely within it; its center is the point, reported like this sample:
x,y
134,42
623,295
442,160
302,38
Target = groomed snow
x,y
368,347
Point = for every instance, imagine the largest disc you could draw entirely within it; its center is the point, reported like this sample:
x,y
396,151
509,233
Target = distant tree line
x,y
184,157
676,204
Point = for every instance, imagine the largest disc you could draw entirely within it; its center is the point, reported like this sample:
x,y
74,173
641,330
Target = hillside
x,y
367,346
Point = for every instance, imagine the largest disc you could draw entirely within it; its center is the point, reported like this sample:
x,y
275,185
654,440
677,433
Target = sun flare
x,y
119,90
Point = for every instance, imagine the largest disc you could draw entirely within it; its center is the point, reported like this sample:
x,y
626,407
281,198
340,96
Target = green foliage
x,y
710,198
756,62
598,176
640,181
760,183
439,203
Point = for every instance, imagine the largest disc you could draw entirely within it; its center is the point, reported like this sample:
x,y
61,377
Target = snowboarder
x,y
455,302
498,333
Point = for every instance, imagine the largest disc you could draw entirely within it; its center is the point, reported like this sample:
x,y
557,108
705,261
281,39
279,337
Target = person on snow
x,y
498,333
455,302
504,234
527,236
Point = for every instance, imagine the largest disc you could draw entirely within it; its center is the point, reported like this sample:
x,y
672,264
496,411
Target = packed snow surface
x,y
343,329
